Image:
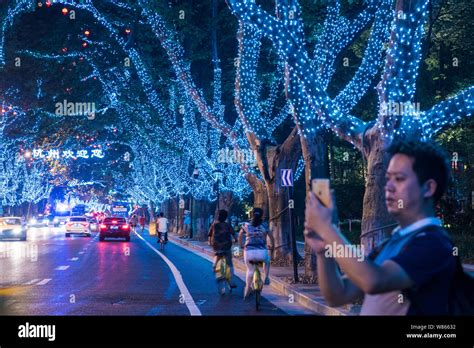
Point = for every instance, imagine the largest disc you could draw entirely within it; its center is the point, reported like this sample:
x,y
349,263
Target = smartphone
x,y
322,190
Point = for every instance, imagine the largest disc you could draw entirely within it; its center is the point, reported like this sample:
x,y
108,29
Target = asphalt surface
x,y
50,274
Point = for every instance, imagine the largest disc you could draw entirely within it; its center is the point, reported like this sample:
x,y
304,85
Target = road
x,y
53,275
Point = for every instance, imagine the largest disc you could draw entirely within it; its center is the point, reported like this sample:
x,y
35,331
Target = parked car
x,y
13,228
114,227
77,225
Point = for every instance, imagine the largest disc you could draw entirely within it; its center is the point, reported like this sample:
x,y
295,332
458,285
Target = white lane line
x,y
44,281
32,281
81,252
74,259
61,268
188,299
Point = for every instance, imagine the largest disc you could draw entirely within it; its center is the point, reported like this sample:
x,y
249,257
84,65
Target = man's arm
x,y
366,275
209,235
337,290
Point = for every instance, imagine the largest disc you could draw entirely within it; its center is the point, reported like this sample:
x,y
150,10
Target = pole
x,y
177,215
293,233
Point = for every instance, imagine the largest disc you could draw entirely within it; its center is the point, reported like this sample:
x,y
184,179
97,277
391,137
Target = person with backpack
x,y
255,234
220,237
414,272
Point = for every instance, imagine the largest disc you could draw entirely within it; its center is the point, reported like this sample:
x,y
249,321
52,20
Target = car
x,y
116,227
12,228
77,225
93,224
39,221
60,220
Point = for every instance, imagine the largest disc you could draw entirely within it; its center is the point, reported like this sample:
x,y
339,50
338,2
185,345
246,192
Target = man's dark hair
x,y
162,214
257,217
430,162
222,215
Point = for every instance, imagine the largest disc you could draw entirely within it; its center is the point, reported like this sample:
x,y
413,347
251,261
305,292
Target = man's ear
x,y
429,188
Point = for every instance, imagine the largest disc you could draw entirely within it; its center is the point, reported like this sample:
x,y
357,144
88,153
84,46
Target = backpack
x,y
461,296
221,237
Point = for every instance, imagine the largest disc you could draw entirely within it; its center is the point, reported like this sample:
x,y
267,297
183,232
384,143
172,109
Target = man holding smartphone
x,y
412,273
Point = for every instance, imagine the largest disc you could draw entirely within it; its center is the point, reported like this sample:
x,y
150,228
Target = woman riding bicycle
x,y
255,248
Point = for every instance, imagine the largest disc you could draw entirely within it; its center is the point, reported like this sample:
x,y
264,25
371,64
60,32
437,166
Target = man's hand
x,y
318,218
314,241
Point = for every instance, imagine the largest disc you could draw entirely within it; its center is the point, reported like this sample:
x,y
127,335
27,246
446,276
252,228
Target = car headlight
x,y
32,221
56,220
17,230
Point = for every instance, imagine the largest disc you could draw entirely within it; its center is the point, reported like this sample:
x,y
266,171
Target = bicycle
x,y
162,240
257,282
223,274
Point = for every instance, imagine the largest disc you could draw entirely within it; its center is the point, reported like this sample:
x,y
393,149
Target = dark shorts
x,y
227,255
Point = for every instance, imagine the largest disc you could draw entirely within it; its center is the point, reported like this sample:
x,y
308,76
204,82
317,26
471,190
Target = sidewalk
x,y
307,295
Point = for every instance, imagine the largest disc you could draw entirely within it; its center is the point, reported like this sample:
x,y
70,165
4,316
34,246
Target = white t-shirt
x,y
162,224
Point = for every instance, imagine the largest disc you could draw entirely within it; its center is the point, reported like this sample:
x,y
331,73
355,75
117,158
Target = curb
x,y
277,284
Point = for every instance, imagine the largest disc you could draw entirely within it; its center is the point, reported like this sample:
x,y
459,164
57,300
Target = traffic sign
x,y
286,177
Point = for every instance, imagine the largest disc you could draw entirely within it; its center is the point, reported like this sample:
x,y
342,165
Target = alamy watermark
x,y
75,109
344,251
29,251
231,156
400,109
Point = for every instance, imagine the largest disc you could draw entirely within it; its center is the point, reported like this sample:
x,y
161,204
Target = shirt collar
x,y
416,226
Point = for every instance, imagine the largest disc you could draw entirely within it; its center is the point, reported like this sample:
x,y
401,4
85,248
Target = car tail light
x,y
125,227
103,226
114,221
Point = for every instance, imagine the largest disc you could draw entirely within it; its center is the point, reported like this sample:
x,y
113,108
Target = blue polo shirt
x,y
428,260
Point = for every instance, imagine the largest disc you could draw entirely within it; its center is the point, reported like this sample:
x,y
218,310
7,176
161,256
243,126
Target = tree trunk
x,y
314,151
375,215
201,224
270,160
280,223
151,207
226,201
260,196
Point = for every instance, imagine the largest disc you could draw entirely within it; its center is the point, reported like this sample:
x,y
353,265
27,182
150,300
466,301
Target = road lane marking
x,y
74,259
31,282
188,299
44,281
81,252
61,268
